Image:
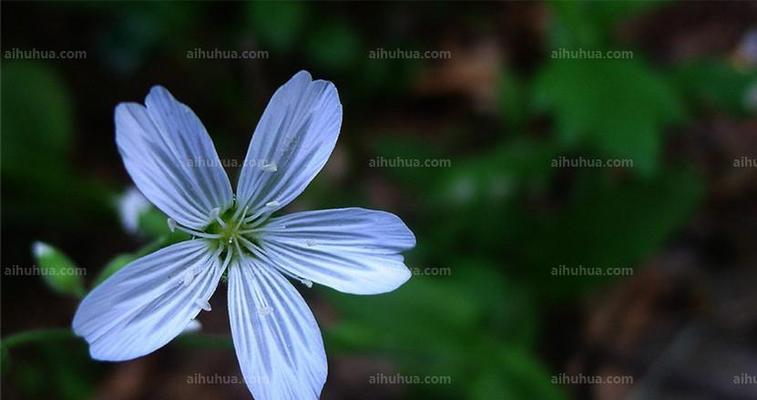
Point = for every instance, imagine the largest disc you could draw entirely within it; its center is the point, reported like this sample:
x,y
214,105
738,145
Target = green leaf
x,y
591,25
37,123
335,45
277,23
152,223
58,271
606,224
461,319
512,100
522,377
618,108
714,85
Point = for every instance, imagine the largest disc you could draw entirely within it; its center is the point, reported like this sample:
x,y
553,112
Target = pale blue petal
x,y
276,337
148,302
293,140
171,158
352,250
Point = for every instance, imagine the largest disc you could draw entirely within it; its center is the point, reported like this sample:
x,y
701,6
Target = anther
x,y
269,167
264,311
203,304
171,224
188,277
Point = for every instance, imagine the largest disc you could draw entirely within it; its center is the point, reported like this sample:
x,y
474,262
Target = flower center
x,y
233,232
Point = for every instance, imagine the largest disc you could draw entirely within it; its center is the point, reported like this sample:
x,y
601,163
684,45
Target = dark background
x,y
485,309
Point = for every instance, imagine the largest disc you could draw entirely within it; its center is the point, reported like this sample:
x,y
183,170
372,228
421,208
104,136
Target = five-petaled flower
x,y
277,341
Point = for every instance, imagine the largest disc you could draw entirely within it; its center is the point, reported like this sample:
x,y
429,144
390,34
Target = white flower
x,y
171,159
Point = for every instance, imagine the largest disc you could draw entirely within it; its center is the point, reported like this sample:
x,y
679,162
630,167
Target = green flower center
x,y
231,233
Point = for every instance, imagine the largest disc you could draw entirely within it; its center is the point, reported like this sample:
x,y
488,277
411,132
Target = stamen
x,y
239,249
237,212
250,246
257,223
252,230
259,253
263,210
264,308
173,226
215,215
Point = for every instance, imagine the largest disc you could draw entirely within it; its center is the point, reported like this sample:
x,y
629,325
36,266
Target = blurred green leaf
x,y
58,271
616,107
334,45
482,189
439,325
606,224
152,223
37,127
135,32
590,25
714,84
37,123
512,100
277,23
513,373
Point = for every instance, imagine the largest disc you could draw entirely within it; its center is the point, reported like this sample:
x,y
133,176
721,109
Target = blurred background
x,y
581,178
